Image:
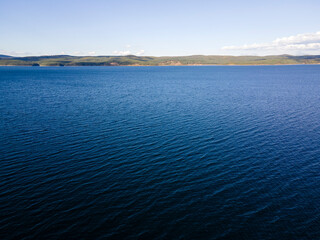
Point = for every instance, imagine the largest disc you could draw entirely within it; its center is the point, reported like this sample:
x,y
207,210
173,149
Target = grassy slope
x,y
66,60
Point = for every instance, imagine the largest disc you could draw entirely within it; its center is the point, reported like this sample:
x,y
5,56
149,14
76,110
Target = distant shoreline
x,y
132,60
186,65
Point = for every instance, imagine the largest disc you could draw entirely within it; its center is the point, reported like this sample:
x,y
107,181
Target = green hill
x,y
131,60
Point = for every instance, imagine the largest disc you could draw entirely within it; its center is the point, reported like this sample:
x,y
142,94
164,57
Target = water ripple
x,y
160,153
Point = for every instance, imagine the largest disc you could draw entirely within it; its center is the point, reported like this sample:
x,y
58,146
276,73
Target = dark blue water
x,y
160,152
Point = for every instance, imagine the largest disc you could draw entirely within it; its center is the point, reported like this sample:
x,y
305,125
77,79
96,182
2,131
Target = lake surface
x,y
205,152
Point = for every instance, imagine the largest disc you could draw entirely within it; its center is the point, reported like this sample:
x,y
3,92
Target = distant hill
x,y
5,56
131,60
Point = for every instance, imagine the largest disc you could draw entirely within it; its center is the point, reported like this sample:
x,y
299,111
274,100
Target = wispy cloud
x,y
15,54
92,53
308,43
128,52
122,53
140,52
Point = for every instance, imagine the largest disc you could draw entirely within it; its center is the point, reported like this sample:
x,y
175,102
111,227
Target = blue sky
x,y
159,28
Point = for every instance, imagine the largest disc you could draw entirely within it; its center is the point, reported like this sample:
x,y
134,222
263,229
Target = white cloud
x,y
91,53
139,53
128,52
15,54
308,43
122,53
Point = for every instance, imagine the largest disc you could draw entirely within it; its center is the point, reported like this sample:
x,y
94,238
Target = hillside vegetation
x,y
66,60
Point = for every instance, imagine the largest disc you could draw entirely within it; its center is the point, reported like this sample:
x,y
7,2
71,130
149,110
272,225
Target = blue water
x,y
207,152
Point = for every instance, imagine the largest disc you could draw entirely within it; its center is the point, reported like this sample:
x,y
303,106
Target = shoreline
x,y
132,60
169,65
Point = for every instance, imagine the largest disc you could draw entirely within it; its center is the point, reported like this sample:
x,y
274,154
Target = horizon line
x,y
133,55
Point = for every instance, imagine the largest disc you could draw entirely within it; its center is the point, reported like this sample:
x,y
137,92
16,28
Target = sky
x,y
159,28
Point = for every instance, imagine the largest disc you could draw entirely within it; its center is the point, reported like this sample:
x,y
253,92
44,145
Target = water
x,y
210,152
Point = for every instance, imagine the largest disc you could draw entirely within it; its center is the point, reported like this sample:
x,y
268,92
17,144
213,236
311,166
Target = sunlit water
x,y
210,152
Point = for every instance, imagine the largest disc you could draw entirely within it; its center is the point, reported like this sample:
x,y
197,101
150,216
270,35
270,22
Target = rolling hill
x,y
131,60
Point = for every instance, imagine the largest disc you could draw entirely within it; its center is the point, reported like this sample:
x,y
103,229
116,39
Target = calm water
x,y
160,152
